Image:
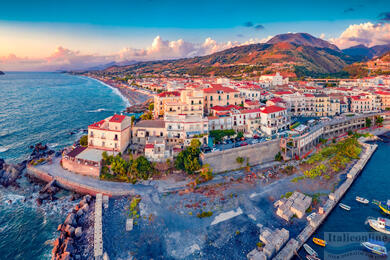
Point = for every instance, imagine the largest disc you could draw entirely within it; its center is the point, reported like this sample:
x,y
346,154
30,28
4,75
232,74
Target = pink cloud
x,y
368,34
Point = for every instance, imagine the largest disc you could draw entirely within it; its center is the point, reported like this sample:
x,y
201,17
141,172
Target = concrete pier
x,y
295,244
98,230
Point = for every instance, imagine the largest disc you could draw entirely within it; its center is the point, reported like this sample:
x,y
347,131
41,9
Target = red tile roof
x,y
272,109
117,118
149,146
97,124
383,93
283,93
169,93
217,87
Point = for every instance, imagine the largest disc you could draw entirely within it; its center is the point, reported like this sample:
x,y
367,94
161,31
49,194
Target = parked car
x,y
206,149
236,144
256,137
243,144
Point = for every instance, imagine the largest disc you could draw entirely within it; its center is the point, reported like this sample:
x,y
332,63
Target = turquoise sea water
x,y
42,107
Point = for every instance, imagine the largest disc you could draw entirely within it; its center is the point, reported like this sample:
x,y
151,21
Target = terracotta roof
x,y
283,93
149,146
169,93
272,109
217,87
97,124
383,93
117,118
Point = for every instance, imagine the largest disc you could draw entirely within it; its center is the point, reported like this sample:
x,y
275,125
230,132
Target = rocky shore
x,y
76,233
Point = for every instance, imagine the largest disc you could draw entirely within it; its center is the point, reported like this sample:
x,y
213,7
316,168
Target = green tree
x,y
379,120
147,116
278,157
84,140
151,107
132,120
240,160
240,135
143,167
368,122
188,159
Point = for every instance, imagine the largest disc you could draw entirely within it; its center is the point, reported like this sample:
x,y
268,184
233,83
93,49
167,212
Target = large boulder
x,y
78,232
71,220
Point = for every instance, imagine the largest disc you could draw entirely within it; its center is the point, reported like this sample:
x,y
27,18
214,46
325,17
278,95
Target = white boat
x,y
312,257
380,224
362,200
375,247
310,250
343,206
311,216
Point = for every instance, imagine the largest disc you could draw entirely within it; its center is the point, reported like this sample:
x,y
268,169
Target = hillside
x,y
309,58
365,53
303,39
1,73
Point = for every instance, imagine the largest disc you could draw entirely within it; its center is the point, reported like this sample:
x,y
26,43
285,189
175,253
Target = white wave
x,y
116,91
13,197
53,145
98,110
3,149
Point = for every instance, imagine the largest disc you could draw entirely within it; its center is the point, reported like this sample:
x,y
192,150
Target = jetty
x,y
294,244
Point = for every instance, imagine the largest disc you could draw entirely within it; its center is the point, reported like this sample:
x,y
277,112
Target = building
x,y
217,95
274,79
110,134
161,99
385,99
274,119
147,128
322,104
190,102
181,129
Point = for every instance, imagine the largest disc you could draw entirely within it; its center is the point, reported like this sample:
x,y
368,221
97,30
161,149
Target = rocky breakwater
x,y
9,173
76,233
40,151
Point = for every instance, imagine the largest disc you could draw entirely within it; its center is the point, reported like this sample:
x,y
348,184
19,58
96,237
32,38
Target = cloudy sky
x,y
50,35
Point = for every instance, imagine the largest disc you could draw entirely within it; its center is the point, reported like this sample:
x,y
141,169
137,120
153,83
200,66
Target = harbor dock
x,y
294,244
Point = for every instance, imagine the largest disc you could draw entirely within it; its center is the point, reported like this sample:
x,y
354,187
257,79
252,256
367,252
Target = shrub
x,y
278,157
204,214
84,140
240,160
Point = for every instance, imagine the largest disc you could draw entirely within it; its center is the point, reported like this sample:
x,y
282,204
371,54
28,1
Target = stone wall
x,y
221,161
79,168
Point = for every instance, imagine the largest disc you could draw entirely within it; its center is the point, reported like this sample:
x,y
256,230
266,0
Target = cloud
x,y
348,10
368,34
322,36
258,27
66,59
248,24
384,16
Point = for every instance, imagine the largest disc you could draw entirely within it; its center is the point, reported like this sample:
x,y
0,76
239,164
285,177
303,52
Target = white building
x,y
274,119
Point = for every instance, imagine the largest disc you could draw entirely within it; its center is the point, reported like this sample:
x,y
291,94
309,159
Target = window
x,y
211,98
219,97
227,97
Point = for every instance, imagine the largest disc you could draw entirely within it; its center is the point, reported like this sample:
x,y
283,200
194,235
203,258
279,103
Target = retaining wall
x,y
72,185
221,161
98,229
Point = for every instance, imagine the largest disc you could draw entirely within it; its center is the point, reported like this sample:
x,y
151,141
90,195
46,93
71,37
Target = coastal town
x,y
243,130
192,131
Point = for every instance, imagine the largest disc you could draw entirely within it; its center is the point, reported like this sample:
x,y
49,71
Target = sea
x,y
55,109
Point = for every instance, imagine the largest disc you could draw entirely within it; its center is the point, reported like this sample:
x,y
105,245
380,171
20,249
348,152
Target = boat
x,y
384,206
312,257
362,200
375,247
311,216
319,242
343,206
379,224
310,250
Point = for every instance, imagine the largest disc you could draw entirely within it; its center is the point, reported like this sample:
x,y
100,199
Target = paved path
x,y
113,188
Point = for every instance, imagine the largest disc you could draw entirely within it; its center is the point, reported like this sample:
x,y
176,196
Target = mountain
x,y
365,53
303,39
2,73
307,58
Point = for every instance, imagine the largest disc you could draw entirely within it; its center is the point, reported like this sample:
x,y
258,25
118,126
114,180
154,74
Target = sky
x,y
75,34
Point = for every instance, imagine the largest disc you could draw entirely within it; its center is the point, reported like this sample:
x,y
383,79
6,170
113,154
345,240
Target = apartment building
x,y
217,95
385,99
322,104
220,122
145,129
189,103
181,129
274,119
111,134
161,99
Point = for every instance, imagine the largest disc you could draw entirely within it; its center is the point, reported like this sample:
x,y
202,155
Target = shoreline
x,y
130,96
